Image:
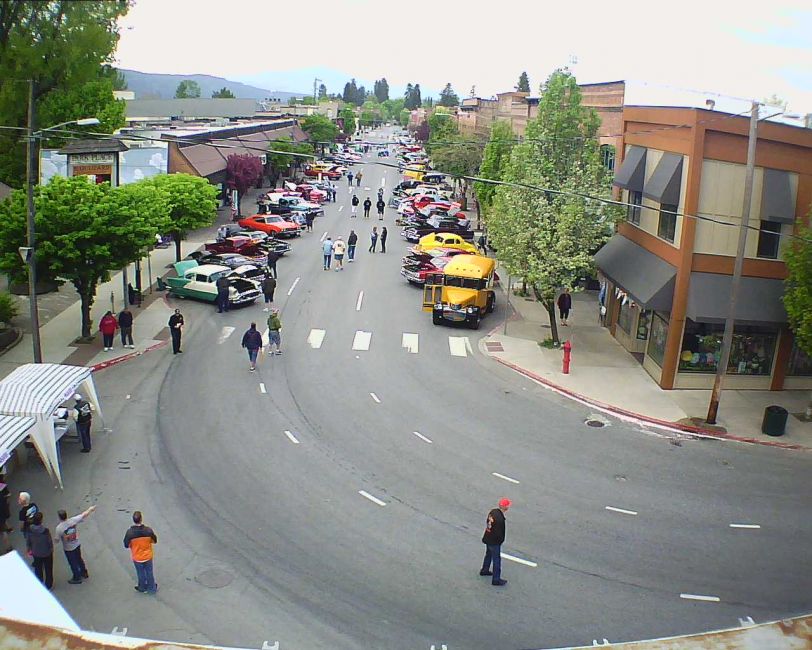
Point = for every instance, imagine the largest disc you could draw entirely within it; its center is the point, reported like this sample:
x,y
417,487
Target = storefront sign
x,y
92,158
91,170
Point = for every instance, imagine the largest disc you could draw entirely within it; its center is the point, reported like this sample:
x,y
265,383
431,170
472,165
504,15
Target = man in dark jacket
x,y
222,294
84,420
139,539
380,205
352,242
564,305
176,329
273,258
125,324
367,207
41,546
268,288
493,538
384,234
252,341
354,208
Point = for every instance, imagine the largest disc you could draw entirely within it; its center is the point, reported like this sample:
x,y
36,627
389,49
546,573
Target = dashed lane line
x,y
707,599
361,340
262,388
747,526
291,437
519,560
458,346
622,511
323,237
375,500
410,342
316,338
293,286
340,208
422,437
359,301
375,397
506,478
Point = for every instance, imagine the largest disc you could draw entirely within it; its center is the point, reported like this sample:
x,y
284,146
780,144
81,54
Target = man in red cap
x,y
493,538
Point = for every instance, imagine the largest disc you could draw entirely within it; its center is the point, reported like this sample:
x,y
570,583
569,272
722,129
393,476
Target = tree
x,y
350,92
798,287
550,238
84,231
115,76
243,171
494,160
442,129
421,134
322,91
391,108
403,118
281,162
412,98
382,90
360,96
191,203
347,116
448,97
92,99
524,83
418,101
187,89
60,45
459,158
320,129
223,93
428,102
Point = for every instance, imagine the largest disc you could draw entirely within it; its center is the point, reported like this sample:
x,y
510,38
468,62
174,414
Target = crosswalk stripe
x,y
410,342
315,338
458,346
362,340
224,334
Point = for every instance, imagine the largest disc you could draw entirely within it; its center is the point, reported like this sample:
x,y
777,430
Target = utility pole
x,y
727,338
32,167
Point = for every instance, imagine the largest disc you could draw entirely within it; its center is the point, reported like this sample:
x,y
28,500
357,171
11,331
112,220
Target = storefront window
x,y
751,352
800,363
625,317
642,325
659,334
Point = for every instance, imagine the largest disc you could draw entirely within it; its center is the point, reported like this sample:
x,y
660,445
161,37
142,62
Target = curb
x,y
127,357
639,418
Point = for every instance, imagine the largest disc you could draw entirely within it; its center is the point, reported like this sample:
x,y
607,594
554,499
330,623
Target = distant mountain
x,y
147,85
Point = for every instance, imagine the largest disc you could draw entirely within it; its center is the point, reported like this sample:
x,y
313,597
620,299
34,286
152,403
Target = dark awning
x,y
776,197
759,300
648,279
664,184
632,172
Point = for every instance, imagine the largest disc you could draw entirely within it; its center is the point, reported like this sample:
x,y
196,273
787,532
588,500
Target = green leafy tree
x,y
281,162
187,89
347,116
494,159
442,129
412,97
546,237
191,203
404,116
382,90
320,129
322,91
115,76
459,158
391,108
798,287
524,83
60,45
448,97
92,99
428,102
223,93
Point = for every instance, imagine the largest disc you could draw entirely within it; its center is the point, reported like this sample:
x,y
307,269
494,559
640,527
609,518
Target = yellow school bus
x,y
463,293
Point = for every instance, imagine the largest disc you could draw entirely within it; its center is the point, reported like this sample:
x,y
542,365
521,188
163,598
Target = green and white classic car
x,y
199,282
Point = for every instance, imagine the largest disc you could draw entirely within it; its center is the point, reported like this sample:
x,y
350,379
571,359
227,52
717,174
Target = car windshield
x,y
274,219
465,283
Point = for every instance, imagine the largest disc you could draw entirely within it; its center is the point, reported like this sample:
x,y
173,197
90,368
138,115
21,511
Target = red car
x,y
273,224
240,244
312,194
416,271
325,173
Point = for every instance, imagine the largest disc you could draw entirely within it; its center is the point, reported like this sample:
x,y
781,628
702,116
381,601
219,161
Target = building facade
x,y
669,275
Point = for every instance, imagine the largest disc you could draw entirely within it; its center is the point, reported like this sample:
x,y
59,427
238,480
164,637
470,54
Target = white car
x,y
200,282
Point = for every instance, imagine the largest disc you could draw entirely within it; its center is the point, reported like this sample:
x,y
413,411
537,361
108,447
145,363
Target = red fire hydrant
x,y
567,356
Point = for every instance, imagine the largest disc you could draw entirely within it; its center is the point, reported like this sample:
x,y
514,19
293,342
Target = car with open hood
x,y
200,282
273,224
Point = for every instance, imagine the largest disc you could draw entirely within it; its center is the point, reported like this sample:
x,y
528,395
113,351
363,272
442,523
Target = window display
x,y
642,325
751,352
659,334
625,316
800,363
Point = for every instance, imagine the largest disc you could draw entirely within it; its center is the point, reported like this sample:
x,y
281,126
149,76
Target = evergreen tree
x,y
350,92
360,96
322,91
524,83
408,98
494,160
418,101
448,97
223,93
381,90
187,89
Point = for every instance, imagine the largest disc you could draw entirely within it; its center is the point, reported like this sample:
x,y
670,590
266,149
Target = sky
x,y
738,49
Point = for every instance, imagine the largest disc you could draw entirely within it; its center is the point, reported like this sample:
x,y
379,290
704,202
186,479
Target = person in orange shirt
x,y
139,539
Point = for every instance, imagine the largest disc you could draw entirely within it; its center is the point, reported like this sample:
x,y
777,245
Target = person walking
x,y
108,326
176,330
274,332
564,306
339,248
83,412
373,239
222,285
352,241
383,239
40,545
273,258
27,511
349,178
125,324
358,178
332,187
367,206
67,534
268,288
309,221
252,341
380,205
140,539
327,251
493,538
354,208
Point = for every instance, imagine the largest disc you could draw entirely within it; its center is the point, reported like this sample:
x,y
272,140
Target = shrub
x,y
9,307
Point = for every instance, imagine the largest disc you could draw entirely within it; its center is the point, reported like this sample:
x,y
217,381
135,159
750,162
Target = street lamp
x,y
29,253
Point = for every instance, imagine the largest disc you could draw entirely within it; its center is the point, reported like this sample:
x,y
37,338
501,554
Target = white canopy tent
x,y
35,390
13,430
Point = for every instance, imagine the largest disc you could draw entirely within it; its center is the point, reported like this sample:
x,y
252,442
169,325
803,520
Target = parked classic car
x,y
272,224
443,240
266,242
235,244
315,172
230,260
461,227
199,282
416,272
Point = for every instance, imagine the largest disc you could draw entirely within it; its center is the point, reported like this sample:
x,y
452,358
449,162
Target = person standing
x,y
274,332
564,306
268,288
139,539
40,545
349,178
383,239
493,538
67,534
327,251
339,247
380,205
373,239
358,179
222,285
273,258
309,221
354,208
125,324
367,206
108,326
84,419
352,242
176,330
252,341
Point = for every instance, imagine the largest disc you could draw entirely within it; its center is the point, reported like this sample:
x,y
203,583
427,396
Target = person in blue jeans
x,y
493,538
352,242
327,249
140,539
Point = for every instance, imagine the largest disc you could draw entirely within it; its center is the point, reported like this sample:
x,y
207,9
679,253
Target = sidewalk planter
x,y
775,421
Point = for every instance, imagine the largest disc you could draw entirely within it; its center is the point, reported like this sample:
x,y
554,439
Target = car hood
x,y
459,296
185,265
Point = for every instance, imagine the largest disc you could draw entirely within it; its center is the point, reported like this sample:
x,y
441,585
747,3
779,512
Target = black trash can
x,y
775,421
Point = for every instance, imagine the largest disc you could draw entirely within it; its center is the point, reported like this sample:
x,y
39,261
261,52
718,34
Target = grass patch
x,y
549,344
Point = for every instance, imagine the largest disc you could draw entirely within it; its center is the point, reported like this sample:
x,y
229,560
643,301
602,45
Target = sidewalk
x,y
605,374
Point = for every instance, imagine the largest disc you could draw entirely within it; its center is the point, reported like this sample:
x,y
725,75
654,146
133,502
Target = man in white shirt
x,y
68,535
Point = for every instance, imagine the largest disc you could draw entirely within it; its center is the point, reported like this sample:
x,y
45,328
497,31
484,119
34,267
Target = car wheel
x,y
491,304
474,324
436,319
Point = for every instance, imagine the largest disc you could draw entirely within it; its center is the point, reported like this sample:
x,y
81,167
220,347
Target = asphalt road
x,y
256,480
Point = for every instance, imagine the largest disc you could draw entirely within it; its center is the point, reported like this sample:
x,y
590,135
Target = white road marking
x,y
383,181
224,334
293,286
502,476
367,495
468,345
359,301
621,510
340,208
708,599
262,388
291,437
375,397
315,338
421,436
265,338
748,526
519,560
457,346
128,397
410,342
361,340
323,237
367,189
